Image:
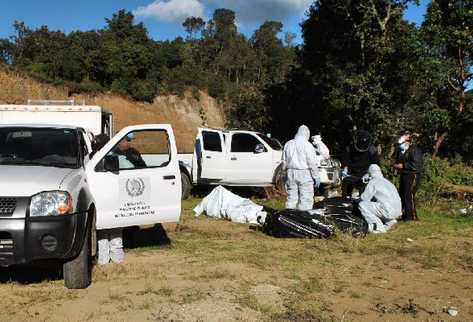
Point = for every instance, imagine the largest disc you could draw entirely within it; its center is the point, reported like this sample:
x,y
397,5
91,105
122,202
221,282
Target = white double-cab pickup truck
x,y
240,158
56,192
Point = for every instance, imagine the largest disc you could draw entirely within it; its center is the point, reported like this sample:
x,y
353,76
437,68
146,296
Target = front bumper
x,y
24,240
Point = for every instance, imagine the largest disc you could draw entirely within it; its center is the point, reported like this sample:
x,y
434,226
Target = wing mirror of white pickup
x,y
259,148
110,163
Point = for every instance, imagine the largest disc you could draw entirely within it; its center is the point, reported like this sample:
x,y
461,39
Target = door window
x,y
143,149
243,142
212,141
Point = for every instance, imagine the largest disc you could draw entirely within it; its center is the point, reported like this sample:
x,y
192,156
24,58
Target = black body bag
x,y
328,217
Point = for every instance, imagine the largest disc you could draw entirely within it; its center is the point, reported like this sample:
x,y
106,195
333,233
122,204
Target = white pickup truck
x,y
231,158
55,192
240,158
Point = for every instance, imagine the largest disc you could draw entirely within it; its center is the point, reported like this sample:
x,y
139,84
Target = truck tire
x,y
186,186
78,271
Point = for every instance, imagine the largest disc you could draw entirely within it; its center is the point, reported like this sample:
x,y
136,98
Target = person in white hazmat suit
x,y
300,161
110,246
380,202
321,149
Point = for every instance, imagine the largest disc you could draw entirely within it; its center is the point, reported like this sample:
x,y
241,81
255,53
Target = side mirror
x,y
110,163
259,148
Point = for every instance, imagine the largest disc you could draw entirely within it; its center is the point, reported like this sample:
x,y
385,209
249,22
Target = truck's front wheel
x,y
78,271
186,185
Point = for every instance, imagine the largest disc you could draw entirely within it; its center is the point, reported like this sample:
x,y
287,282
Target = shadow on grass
x,y
134,237
37,272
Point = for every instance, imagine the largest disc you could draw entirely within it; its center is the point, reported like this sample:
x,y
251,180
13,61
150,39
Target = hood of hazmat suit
x,y
299,154
303,133
374,171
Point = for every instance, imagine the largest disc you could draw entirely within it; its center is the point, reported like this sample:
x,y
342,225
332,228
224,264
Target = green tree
x,y
193,26
6,51
449,31
273,58
350,51
448,39
127,52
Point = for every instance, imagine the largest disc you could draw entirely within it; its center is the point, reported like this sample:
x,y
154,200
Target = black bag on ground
x,y
328,216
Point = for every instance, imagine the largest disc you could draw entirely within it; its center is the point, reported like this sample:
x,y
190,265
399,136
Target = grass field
x,y
213,270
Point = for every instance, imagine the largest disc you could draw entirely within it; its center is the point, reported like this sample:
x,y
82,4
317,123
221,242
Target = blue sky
x,y
162,18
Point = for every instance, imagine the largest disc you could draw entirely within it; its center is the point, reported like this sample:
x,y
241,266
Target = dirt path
x,y
219,271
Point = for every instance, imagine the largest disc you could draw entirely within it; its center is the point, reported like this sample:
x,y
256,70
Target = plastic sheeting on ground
x,y
328,217
221,203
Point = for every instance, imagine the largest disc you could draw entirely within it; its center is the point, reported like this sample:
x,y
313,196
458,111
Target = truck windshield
x,y
273,143
53,147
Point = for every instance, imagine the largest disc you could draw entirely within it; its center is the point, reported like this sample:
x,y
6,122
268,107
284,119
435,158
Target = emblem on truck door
x,y
135,187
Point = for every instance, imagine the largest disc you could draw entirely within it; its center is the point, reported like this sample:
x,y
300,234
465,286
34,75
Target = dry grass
x,y
219,271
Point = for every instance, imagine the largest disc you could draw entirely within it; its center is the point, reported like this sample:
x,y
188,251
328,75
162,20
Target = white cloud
x,y
260,10
171,10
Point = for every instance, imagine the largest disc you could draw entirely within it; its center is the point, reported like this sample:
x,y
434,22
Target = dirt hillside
x,y
185,113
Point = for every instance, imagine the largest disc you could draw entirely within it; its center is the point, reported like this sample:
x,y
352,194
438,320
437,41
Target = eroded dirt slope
x,y
184,113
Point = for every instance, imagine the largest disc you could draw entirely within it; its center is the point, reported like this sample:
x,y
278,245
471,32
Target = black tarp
x,y
327,218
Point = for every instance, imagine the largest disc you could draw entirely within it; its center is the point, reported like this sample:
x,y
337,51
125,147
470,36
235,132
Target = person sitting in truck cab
x,y
131,154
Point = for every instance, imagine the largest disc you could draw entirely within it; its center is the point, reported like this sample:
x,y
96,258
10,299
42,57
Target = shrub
x,y
86,86
437,172
143,90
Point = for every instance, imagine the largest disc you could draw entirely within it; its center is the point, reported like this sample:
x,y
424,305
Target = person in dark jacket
x,y
410,168
99,142
356,161
131,154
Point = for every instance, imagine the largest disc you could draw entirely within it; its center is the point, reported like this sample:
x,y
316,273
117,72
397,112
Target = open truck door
x,y
135,178
209,156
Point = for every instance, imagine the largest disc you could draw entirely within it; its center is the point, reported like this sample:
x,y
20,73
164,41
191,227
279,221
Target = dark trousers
x,y
407,189
351,182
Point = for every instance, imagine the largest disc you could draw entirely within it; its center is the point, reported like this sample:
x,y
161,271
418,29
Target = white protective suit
x,y
380,203
300,161
221,203
320,147
110,246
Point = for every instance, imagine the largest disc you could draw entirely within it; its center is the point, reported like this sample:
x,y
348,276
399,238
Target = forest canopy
x,y
360,65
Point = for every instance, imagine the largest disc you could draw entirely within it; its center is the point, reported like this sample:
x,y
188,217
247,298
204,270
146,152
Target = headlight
x,y
51,203
323,163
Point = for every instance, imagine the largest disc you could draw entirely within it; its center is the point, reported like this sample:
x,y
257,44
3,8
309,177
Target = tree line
x,y
360,65
122,58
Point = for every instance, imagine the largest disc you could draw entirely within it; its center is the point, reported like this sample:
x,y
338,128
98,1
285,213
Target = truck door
x,y
135,178
249,160
210,155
